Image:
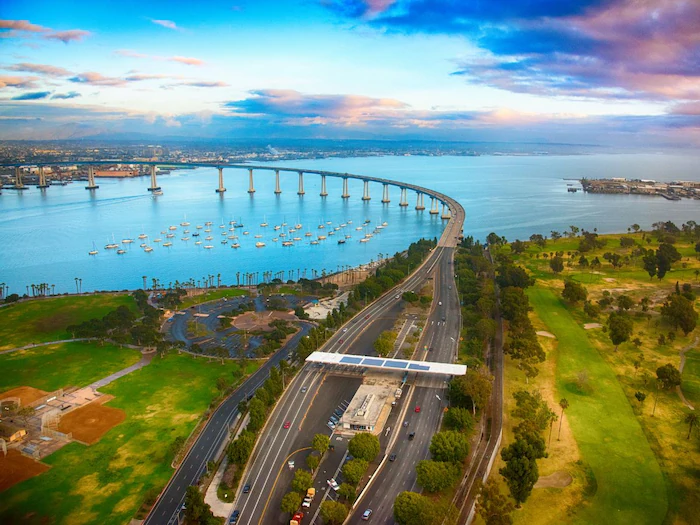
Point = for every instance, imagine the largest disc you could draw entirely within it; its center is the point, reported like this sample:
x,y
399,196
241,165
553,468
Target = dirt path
x,y
680,368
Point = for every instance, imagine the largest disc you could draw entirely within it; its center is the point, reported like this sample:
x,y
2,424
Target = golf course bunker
x,y
92,421
557,480
15,468
26,394
544,333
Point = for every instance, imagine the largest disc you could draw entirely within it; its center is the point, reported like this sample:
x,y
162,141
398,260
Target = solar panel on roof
x,y
396,364
368,361
351,360
414,366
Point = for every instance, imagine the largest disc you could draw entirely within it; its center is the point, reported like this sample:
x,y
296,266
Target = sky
x,y
610,72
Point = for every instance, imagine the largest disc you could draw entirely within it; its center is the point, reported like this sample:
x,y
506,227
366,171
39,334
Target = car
x,y
430,349
366,316
439,303
287,424
366,514
333,484
331,425
417,409
340,341
392,457
303,390
397,297
345,330
246,488
411,435
338,412
234,517
449,287
443,319
405,424
306,502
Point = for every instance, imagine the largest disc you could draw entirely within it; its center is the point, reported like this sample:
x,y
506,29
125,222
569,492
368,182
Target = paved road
x,y
211,439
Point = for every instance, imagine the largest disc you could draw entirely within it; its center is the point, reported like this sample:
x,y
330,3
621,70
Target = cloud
x,y
182,60
623,49
17,82
72,35
42,69
200,83
22,25
165,23
186,60
97,79
65,96
37,95
139,77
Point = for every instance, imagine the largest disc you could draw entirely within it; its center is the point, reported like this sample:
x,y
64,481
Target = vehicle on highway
x,y
405,423
397,297
392,457
345,330
234,517
333,484
443,318
340,341
417,409
287,424
439,303
411,435
303,390
246,488
366,514
366,316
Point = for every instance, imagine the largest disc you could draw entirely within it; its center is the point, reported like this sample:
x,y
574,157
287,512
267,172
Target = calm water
x,y
45,237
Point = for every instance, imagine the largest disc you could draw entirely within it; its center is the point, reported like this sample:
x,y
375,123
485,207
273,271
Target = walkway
x,y
680,369
35,345
145,359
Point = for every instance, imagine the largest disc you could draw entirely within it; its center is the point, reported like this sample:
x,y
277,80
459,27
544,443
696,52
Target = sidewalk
x,y
145,359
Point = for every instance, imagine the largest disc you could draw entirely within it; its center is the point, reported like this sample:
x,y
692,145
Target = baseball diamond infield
x,y
90,422
15,468
26,394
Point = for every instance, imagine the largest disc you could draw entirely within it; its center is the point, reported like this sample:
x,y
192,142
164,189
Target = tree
x,y
240,449
692,420
574,292
435,476
384,344
449,446
620,328
625,302
476,385
493,507
564,404
520,471
333,512
302,481
197,512
354,469
364,446
347,491
640,396
312,461
669,377
411,508
680,312
291,502
458,418
320,443
556,264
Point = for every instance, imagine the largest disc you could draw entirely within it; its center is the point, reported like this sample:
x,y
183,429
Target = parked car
x,y
333,484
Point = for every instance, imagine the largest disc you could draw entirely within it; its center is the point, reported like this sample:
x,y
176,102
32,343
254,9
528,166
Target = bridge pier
x,y
404,199
154,182
385,194
419,202
221,188
251,187
365,191
91,179
278,190
324,192
445,213
18,179
42,179
346,193
433,206
301,191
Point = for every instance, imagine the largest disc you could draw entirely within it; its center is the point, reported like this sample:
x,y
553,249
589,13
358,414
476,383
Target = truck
x,y
296,519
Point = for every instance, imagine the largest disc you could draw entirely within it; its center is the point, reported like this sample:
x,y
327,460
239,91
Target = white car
x,y
306,503
345,330
333,484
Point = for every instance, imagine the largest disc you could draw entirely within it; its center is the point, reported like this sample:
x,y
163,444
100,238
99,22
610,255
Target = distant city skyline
x,y
613,72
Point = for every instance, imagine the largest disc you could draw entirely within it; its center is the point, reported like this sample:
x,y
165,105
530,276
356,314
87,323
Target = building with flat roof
x,y
371,405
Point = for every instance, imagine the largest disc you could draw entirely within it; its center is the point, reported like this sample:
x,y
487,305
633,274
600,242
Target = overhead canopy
x,y
383,363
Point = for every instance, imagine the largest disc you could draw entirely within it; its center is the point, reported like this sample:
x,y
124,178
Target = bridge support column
x,y
18,178
301,191
221,188
278,190
324,192
154,182
445,212
433,206
419,202
346,193
404,199
42,178
91,179
251,187
385,194
365,191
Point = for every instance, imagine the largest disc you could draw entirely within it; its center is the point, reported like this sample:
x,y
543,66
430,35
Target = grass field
x,y
211,296
106,482
691,377
630,485
67,364
43,320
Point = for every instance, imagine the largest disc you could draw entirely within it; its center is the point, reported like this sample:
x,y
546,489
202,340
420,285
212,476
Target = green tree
x,y
384,344
312,461
564,404
197,512
354,469
364,446
449,446
556,264
240,448
680,312
302,481
640,396
333,513
574,292
411,508
458,418
291,502
320,443
625,302
435,476
476,385
493,507
348,492
620,328
669,377
520,471
692,420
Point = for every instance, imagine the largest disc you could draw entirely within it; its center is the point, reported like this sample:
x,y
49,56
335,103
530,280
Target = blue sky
x,y
616,72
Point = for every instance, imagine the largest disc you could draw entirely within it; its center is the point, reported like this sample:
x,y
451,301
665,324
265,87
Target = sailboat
x,y
94,250
264,224
259,244
111,246
185,223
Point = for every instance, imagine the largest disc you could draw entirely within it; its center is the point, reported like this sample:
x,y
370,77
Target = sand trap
x,y
609,279
544,333
590,326
558,480
26,394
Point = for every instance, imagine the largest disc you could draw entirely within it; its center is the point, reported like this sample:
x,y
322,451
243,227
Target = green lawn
x,y
630,485
212,295
42,320
106,482
58,366
691,377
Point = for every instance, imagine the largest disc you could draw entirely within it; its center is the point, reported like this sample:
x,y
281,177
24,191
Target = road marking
x,y
279,473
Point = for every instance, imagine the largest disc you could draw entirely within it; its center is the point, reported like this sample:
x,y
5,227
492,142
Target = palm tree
x,y
564,404
692,420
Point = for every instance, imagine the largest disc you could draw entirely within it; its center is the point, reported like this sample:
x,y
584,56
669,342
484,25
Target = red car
x,y
287,424
366,316
340,341
417,408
